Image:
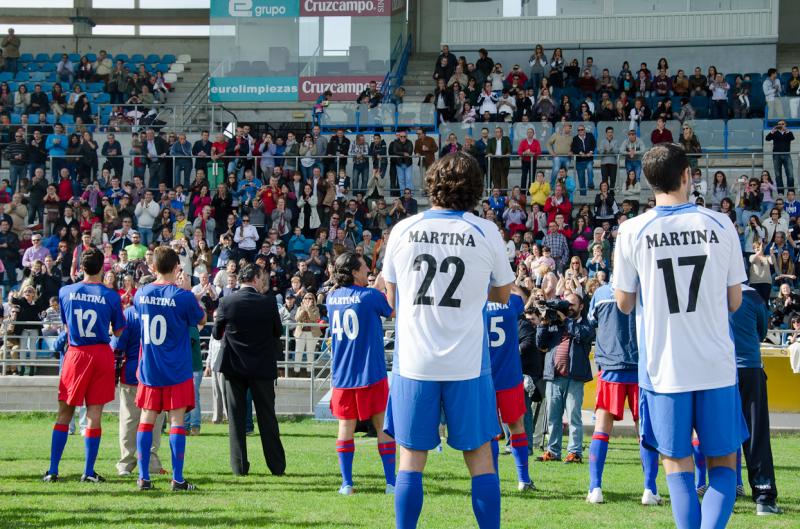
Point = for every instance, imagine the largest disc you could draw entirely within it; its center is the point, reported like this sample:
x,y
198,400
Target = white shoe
x,y
524,487
124,473
389,489
595,495
346,490
649,498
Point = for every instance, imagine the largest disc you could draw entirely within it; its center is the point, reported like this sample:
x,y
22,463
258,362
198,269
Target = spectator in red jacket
x,y
529,150
557,203
661,133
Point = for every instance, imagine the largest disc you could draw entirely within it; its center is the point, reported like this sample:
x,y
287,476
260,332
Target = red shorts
x,y
87,376
360,403
611,397
511,403
166,398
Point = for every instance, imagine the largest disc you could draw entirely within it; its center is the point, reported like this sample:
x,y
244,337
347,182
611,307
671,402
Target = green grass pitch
x,y
306,497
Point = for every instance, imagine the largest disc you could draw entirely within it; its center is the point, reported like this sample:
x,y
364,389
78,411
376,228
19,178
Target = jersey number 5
x,y
430,273
494,328
665,265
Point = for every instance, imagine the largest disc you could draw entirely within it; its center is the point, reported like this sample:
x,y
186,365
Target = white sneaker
x,y
346,490
389,489
595,495
650,498
524,487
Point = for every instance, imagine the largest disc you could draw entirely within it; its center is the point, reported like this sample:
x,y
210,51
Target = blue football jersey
x,y
129,343
356,331
88,309
165,314
501,320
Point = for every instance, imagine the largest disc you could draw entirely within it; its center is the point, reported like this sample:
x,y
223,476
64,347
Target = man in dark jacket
x,y
497,150
202,151
249,325
16,153
338,148
749,326
532,368
583,146
401,152
568,341
9,252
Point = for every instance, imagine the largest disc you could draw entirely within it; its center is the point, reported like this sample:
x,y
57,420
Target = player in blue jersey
x,y
166,312
616,354
440,268
509,389
359,381
681,267
127,347
88,309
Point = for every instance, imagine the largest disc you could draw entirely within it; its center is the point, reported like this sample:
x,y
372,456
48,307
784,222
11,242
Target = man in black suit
x,y
249,325
155,149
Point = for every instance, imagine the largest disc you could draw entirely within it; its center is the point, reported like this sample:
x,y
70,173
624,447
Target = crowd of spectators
x,y
68,88
551,88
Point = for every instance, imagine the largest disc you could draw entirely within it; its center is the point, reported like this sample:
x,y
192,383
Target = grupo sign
x,y
343,88
255,8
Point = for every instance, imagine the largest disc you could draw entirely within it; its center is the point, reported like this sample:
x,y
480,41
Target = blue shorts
x,y
415,407
666,421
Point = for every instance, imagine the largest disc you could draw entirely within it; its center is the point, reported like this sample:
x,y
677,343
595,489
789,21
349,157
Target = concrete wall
x,y
428,27
197,47
787,22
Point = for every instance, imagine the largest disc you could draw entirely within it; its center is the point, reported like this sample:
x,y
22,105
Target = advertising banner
x,y
255,8
343,88
260,89
350,8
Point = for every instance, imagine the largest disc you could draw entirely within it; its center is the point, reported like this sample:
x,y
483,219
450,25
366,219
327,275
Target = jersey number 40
x,y
344,322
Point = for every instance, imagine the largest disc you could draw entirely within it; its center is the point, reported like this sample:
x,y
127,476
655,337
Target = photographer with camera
x,y
532,371
567,337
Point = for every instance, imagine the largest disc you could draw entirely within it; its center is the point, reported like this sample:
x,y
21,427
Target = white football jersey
x,y
443,263
680,260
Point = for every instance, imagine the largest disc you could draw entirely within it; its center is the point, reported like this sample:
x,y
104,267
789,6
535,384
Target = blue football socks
x,y
346,450
719,498
486,500
408,497
598,450
144,443
177,443
57,443
649,467
519,449
683,497
91,441
387,452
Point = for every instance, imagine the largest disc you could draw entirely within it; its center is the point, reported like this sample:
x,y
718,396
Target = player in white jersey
x,y
440,268
681,267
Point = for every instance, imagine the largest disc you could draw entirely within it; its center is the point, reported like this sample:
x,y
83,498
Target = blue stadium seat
x,y
755,77
131,67
95,87
121,57
56,57
730,78
6,77
14,118
67,119
31,67
37,77
168,59
12,86
42,57
47,87
699,102
745,134
152,59
33,119
26,57
48,67
75,57
51,118
102,98
51,76
163,68
22,76
784,77
91,56
137,57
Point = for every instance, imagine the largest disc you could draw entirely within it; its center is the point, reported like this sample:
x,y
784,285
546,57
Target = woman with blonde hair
x,y
690,144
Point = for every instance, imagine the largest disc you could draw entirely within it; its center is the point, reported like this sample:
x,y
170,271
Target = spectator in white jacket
x,y
147,212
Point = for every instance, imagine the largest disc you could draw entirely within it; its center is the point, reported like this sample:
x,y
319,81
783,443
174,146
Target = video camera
x,y
548,310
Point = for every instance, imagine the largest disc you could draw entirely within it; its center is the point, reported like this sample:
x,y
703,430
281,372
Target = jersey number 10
x,y
155,330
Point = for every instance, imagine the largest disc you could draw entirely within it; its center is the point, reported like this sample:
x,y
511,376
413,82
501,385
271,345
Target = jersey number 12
x,y
665,265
